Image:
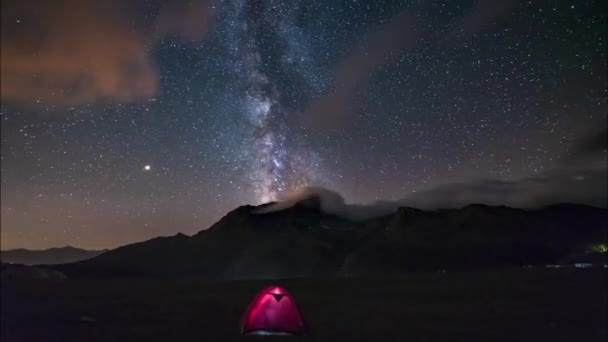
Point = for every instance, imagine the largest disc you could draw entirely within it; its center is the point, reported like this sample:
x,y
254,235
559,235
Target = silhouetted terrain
x,y
511,305
303,241
49,256
23,272
354,279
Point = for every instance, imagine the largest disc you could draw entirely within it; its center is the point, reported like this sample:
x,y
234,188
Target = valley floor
x,y
518,305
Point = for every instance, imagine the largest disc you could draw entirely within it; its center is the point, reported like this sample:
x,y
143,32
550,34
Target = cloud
x,y
582,187
330,202
404,31
72,52
190,22
595,144
381,47
581,178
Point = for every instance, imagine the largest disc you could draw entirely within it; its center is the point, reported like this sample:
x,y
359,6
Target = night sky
x,y
122,121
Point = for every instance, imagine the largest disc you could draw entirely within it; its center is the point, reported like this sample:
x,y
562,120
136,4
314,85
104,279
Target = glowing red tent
x,y
272,312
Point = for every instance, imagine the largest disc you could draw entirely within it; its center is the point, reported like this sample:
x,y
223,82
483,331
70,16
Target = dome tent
x,y
272,312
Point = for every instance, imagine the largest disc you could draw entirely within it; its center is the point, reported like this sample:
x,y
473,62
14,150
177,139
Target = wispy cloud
x,y
580,178
402,32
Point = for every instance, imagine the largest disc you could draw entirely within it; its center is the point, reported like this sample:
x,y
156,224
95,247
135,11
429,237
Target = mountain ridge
x,y
302,240
48,256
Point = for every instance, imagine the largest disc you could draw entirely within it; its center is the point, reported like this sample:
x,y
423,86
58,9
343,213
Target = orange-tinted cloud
x,y
190,22
72,52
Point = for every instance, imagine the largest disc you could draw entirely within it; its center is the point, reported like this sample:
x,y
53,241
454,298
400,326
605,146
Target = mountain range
x,y
49,256
304,241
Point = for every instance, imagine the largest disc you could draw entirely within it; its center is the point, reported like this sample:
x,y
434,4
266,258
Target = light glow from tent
x,y
273,310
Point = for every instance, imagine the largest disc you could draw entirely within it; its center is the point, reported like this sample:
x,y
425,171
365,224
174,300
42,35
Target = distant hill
x,y
49,256
304,241
24,272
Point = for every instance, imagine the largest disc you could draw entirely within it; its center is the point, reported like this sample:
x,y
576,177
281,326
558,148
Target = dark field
x,y
519,305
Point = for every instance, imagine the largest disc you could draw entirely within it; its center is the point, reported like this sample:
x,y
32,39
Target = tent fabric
x,y
272,312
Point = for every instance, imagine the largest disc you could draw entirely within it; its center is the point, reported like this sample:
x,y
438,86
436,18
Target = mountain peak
x,y
302,240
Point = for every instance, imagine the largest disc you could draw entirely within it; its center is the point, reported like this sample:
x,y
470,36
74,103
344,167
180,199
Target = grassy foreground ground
x,y
516,305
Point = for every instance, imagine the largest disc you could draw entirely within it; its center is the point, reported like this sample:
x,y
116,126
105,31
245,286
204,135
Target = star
x,y
266,98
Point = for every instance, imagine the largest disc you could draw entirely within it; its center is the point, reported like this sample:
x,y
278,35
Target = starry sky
x,y
125,120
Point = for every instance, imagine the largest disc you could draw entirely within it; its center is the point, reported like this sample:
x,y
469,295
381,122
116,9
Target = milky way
x,y
260,43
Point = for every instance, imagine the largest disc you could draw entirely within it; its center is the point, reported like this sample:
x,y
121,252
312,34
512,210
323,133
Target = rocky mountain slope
x,y
304,241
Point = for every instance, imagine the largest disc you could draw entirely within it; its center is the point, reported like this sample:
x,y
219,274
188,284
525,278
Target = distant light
x,y
599,248
147,168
